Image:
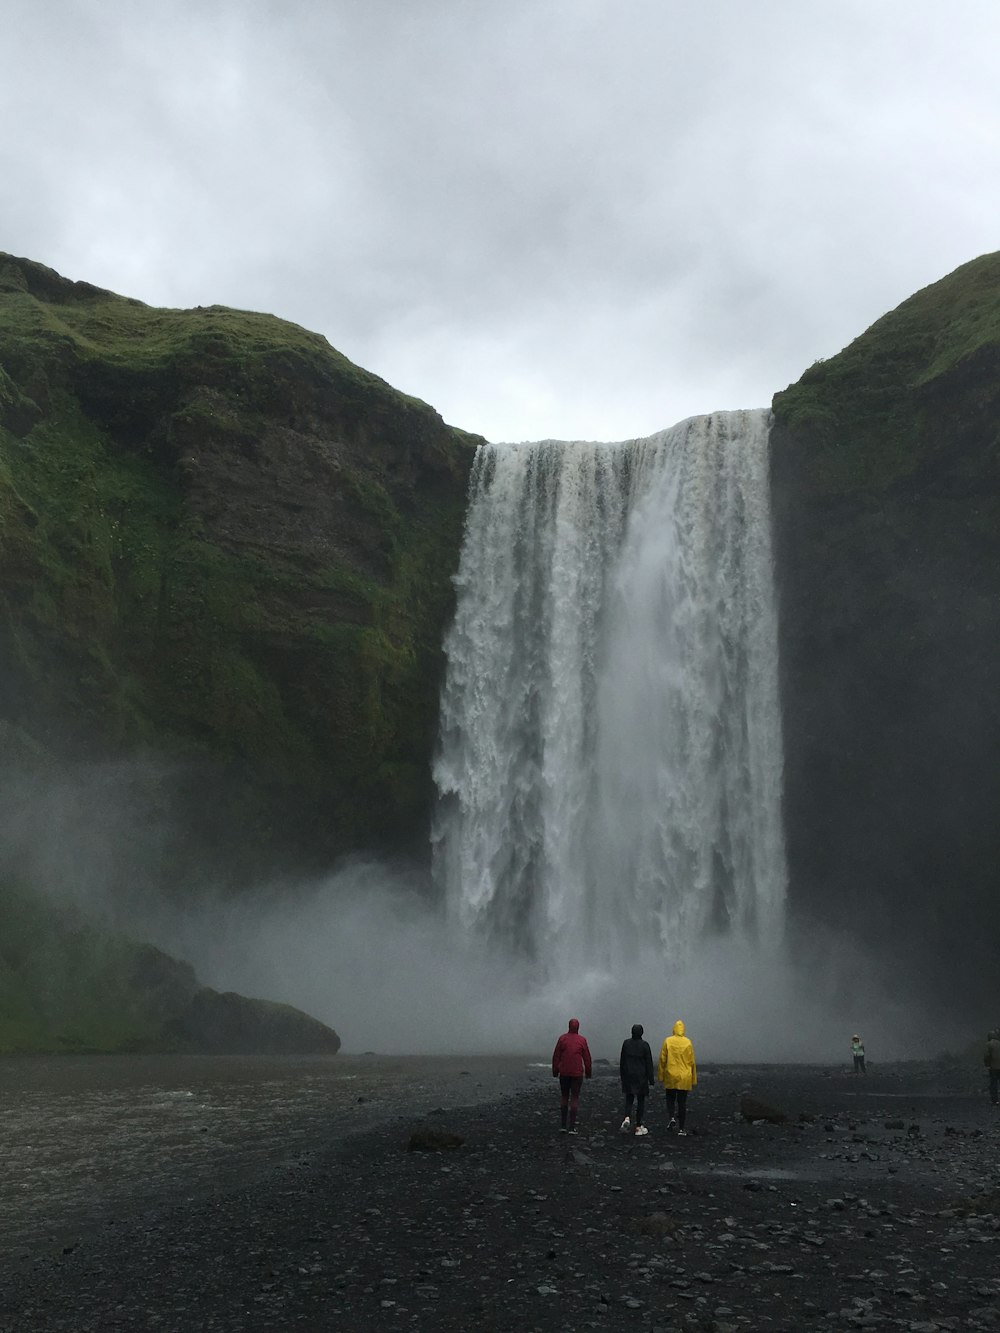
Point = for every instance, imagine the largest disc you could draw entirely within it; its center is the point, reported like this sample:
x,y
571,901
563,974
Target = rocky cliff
x,y
225,546
886,494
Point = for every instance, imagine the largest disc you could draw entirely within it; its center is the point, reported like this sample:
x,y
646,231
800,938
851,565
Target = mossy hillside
x,y
220,539
885,469
872,413
66,985
70,985
130,361
886,473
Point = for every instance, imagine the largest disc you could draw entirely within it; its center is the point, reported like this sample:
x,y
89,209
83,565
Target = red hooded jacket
x,y
571,1057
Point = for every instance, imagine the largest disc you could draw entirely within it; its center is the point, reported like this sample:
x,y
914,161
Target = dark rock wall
x,y
886,501
223,546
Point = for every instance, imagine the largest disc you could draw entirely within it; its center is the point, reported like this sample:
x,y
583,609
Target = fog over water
x,y
608,841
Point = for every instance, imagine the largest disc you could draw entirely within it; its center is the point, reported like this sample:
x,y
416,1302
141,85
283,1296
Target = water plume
x,y
610,759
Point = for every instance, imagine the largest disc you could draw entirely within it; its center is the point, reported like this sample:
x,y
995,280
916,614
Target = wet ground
x,y
86,1137
876,1204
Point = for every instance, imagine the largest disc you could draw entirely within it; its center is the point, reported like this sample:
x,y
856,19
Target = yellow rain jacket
x,y
677,1068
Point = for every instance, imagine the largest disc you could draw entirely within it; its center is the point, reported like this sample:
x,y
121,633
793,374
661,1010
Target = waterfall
x,y
609,764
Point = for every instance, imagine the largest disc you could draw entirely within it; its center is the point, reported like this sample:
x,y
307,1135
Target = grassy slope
x,y
69,986
66,985
867,410
885,464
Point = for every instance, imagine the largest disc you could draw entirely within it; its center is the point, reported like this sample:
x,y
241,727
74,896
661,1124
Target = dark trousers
x,y
677,1105
569,1098
859,1064
640,1105
994,1086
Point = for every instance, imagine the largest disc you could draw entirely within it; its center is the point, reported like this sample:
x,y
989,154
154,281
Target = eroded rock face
x,y
752,1108
68,983
886,494
224,1023
224,544
184,1015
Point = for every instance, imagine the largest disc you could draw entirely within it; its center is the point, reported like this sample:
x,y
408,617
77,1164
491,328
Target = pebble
x,y
519,1221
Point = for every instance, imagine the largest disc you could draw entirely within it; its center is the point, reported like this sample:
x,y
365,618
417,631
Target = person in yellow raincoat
x,y
678,1075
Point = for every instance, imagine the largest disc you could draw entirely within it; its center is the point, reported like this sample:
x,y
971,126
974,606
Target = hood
x,y
574,1025
678,1029
636,1030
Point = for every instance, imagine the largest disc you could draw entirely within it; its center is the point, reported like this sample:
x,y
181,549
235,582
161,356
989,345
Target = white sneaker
x,y
626,1124
682,1133
641,1129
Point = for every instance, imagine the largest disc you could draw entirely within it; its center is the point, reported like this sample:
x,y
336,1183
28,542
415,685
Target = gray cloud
x,y
546,217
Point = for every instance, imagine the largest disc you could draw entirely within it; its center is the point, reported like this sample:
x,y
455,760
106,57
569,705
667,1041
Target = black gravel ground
x,y
875,1205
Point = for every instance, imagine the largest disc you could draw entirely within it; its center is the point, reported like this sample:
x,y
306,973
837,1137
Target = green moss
x,y
66,985
143,607
864,411
83,535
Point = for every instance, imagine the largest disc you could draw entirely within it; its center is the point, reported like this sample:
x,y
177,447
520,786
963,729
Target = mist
x,y
367,952
370,950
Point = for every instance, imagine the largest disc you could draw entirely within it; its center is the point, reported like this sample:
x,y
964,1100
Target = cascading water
x,y
609,768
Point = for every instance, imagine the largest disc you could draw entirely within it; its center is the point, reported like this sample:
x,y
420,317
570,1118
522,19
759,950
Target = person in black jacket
x,y
636,1068
991,1059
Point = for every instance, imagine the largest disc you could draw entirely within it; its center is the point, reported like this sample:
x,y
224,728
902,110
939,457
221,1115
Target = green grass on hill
x,y
66,985
864,410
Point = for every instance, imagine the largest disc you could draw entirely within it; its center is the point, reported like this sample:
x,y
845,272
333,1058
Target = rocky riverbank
x,y
875,1204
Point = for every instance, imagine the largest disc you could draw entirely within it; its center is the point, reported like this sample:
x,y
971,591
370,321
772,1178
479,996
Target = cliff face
x,y
886,501
223,543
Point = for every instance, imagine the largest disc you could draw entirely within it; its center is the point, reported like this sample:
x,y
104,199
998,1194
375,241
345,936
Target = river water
x,y
86,1140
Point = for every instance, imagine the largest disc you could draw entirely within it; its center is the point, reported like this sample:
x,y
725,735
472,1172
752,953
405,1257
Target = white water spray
x,y
610,760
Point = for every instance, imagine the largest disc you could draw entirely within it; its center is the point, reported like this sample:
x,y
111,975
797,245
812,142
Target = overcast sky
x,y
547,218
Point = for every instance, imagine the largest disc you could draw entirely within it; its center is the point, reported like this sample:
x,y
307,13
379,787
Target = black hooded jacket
x,y
636,1064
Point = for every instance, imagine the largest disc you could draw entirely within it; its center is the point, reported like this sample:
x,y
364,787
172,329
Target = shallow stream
x,y
86,1139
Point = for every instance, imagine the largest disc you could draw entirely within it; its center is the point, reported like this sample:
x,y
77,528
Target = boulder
x,y
752,1108
433,1140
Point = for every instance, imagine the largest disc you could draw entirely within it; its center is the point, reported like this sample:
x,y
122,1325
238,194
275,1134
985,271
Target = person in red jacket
x,y
570,1062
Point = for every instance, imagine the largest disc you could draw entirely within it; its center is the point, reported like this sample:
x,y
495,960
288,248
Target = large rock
x,y
192,1017
752,1109
886,491
231,1024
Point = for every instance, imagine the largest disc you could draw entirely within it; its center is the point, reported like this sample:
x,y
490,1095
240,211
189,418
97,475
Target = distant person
x,y
678,1075
570,1062
636,1068
858,1052
991,1059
